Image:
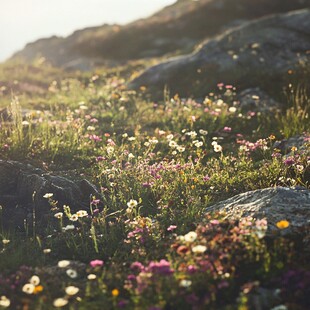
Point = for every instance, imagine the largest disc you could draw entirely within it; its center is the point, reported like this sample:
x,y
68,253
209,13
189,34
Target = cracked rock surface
x,y
274,204
23,186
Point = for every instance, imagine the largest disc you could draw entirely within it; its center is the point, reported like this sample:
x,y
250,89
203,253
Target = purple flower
x,y
131,277
162,267
100,158
289,161
137,265
95,202
206,178
191,269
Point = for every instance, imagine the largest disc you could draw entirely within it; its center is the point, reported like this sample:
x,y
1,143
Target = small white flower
x,y
68,227
58,215
72,273
71,290
125,135
48,195
300,168
192,134
4,302
60,302
131,156
203,132
25,123
35,280
169,137
180,148
81,213
198,144
153,141
91,128
73,218
131,138
217,148
110,150
190,237
6,241
91,276
63,263
132,203
199,249
185,283
173,144
28,288
232,109
47,251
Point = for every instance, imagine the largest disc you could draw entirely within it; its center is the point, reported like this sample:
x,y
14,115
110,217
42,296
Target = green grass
x,y
160,250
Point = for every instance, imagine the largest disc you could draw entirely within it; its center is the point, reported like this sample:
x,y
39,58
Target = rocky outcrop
x,y
178,27
274,204
254,99
301,142
22,188
259,53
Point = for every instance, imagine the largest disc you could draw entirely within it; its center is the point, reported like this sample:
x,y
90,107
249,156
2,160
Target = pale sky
x,y
23,21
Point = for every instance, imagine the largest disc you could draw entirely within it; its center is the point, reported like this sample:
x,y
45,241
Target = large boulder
x,y
23,186
258,53
274,204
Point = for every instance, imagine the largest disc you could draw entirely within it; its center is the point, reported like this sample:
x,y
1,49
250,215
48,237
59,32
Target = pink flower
x,y
171,227
96,263
227,129
206,178
214,222
95,138
95,202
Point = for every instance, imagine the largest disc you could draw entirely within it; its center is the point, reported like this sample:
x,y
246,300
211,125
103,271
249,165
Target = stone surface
x,y
22,188
274,204
258,53
301,142
254,99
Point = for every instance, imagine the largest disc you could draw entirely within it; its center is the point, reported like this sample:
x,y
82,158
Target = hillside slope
x,y
175,29
255,54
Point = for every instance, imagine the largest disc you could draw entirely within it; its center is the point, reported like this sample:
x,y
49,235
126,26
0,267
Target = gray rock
x,y
254,99
274,204
258,53
301,142
22,188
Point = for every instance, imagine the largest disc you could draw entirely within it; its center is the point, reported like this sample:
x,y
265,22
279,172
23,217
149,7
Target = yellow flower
x,y
283,224
115,292
38,289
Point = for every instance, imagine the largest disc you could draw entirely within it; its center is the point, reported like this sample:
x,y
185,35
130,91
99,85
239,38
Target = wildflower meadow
x,y
147,240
